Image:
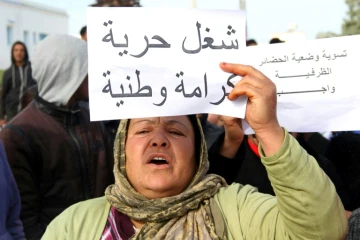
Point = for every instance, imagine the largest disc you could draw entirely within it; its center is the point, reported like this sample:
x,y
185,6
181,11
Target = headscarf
x,y
190,215
60,65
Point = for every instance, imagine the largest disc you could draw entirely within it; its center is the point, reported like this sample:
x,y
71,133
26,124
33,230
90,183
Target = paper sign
x,y
317,82
161,62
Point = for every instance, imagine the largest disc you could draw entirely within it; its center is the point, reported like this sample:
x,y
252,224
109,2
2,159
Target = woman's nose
x,y
160,139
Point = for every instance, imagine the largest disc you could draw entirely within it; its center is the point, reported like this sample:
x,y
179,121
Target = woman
x,y
16,80
161,189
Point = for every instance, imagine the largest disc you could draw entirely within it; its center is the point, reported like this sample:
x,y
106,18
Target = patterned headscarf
x,y
192,214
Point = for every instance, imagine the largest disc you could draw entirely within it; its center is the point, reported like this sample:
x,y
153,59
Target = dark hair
x,y
26,57
251,42
83,31
275,40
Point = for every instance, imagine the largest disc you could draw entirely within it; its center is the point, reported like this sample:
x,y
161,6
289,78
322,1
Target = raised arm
x,y
306,205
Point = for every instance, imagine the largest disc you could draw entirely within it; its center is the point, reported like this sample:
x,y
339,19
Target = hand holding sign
x,y
261,106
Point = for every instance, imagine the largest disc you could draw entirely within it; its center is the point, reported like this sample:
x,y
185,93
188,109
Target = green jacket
x,y
306,205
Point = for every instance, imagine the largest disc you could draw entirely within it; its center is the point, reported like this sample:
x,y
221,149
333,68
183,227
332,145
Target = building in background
x,y
243,5
27,22
117,3
292,35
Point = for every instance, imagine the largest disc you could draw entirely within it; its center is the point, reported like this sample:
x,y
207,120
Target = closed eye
x,y
142,132
176,133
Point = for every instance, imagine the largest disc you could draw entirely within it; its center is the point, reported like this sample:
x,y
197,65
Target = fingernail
x,y
223,64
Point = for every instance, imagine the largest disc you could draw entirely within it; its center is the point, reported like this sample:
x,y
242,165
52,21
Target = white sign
x,y
159,62
317,82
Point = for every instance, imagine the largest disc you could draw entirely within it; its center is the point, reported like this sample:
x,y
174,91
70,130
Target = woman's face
x,y
19,53
160,155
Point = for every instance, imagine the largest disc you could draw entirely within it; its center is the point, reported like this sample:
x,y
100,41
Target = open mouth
x,y
158,161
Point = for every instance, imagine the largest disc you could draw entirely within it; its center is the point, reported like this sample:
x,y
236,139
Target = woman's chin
x,y
160,188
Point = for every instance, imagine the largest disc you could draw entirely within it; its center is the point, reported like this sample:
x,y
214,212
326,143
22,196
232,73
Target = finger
x,y
265,85
245,89
251,80
241,70
230,120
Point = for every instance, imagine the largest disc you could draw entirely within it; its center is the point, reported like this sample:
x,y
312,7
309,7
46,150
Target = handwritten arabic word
x,y
344,54
110,38
310,57
139,93
323,90
146,91
209,41
197,91
323,71
299,59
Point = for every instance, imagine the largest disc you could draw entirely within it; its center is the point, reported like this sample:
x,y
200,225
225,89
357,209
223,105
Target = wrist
x,y
229,148
271,140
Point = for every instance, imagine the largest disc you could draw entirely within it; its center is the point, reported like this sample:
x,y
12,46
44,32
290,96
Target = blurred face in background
x,y
84,37
19,53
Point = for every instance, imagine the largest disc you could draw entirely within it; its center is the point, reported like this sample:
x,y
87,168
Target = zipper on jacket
x,y
84,175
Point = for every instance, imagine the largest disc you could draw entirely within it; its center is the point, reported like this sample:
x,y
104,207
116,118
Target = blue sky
x,y
264,16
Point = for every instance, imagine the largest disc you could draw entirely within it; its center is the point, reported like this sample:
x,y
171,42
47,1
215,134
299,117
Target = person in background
x,y
16,79
237,158
317,141
344,152
83,33
275,40
10,204
251,42
211,131
58,157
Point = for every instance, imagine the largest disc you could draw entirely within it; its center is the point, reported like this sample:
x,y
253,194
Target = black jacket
x,y
246,168
13,88
344,152
58,158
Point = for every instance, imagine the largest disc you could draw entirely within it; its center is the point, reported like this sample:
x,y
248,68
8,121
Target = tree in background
x,y
117,3
351,24
327,35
